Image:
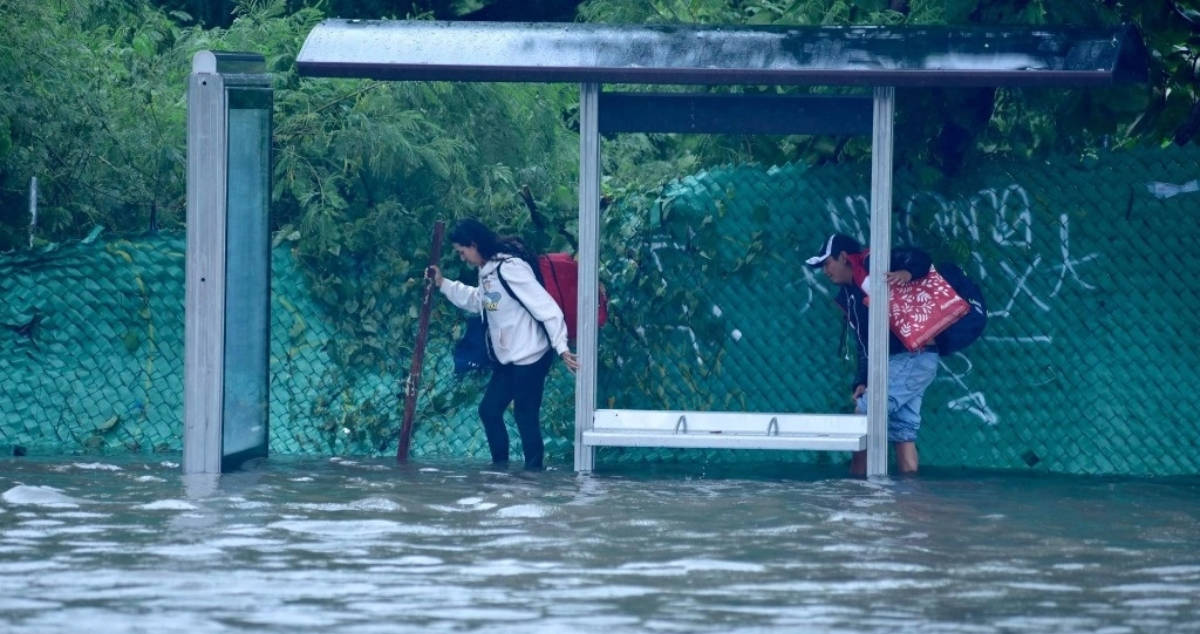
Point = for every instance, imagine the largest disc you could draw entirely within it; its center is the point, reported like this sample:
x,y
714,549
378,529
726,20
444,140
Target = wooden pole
x,y
414,374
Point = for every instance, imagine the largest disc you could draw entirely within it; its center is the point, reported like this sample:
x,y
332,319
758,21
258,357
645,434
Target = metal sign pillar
x,y
589,247
881,256
227,329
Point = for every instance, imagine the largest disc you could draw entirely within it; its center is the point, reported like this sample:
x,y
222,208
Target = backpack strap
x,y
487,337
554,274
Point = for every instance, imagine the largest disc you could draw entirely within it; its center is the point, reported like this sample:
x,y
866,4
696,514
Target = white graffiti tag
x,y
1064,235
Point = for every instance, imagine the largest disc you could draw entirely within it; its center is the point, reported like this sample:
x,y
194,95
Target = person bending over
x,y
845,263
523,337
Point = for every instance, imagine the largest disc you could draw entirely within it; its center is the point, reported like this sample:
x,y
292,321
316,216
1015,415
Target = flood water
x,y
108,545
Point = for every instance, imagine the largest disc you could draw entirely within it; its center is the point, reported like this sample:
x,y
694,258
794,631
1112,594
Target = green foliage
x,y
364,169
90,104
94,106
976,125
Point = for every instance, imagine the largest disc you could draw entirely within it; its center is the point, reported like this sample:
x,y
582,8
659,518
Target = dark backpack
x,y
471,352
970,326
559,275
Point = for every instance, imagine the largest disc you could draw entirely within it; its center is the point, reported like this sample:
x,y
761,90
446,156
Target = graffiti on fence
x,y
1024,266
655,247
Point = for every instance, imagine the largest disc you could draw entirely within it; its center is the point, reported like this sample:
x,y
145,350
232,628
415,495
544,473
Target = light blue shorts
x,y
909,374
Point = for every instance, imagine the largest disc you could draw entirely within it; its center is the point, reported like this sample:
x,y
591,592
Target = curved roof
x,y
861,55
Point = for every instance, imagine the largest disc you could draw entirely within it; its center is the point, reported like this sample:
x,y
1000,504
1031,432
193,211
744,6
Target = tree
x,y
90,104
975,123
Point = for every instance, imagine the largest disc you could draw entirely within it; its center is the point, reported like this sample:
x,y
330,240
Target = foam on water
x,y
350,529
366,504
1171,571
524,511
1043,587
26,567
416,560
95,466
168,505
1154,588
78,515
38,496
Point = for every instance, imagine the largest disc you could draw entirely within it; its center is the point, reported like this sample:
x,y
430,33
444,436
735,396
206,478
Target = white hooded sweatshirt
x,y
516,336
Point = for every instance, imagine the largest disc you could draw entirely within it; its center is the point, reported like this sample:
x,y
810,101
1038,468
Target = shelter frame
x,y
879,58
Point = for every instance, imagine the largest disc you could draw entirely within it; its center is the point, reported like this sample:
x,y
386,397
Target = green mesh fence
x,y
1085,366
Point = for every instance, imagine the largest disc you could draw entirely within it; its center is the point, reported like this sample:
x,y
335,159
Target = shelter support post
x,y
205,303
589,247
881,255
227,297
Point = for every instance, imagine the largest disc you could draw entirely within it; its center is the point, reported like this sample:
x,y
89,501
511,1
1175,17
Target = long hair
x,y
470,231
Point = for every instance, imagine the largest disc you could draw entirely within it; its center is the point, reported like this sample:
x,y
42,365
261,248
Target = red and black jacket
x,y
852,300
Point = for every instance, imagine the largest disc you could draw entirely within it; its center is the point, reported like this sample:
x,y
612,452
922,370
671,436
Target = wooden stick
x,y
413,382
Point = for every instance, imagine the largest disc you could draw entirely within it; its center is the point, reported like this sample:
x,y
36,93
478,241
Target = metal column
x,y
204,295
881,255
589,246
227,297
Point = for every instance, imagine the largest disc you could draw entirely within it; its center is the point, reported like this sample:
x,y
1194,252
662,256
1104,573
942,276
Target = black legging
x,y
523,386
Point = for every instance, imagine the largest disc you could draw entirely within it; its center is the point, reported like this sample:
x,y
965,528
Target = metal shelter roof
x,y
860,55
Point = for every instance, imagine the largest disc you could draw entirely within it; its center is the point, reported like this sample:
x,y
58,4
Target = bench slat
x,y
727,430
731,422
703,440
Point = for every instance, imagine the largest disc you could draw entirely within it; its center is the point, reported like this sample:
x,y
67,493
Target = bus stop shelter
x,y
876,59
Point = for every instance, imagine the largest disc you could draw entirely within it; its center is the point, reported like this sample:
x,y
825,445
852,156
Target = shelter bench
x,y
726,430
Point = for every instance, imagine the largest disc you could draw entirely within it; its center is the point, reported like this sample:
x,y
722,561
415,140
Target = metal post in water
x,y
204,330
32,208
413,382
589,245
881,256
228,266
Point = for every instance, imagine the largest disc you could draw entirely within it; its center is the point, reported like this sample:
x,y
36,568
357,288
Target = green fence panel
x,y
1086,366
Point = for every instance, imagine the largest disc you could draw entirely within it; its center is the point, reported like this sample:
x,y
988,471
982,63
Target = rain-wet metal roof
x,y
860,55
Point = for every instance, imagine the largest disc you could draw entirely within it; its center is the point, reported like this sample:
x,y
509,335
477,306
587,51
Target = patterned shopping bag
x,y
921,309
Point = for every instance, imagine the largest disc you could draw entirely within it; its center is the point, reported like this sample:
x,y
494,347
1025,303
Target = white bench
x,y
726,430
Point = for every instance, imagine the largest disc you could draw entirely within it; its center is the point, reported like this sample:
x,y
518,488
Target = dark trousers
x,y
523,386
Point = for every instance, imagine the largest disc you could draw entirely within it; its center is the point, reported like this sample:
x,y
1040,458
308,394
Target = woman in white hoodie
x,y
524,334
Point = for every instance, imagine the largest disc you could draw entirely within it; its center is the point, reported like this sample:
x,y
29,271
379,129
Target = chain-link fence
x,y
1084,368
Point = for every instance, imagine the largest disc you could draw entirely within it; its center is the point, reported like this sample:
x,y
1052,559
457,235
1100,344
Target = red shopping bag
x,y
921,309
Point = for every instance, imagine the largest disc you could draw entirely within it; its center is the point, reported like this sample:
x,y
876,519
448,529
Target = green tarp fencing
x,y
1086,367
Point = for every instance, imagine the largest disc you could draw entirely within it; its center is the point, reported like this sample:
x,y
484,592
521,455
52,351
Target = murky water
x,y
368,546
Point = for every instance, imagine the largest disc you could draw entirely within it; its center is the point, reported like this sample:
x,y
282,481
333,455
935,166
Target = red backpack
x,y
560,276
